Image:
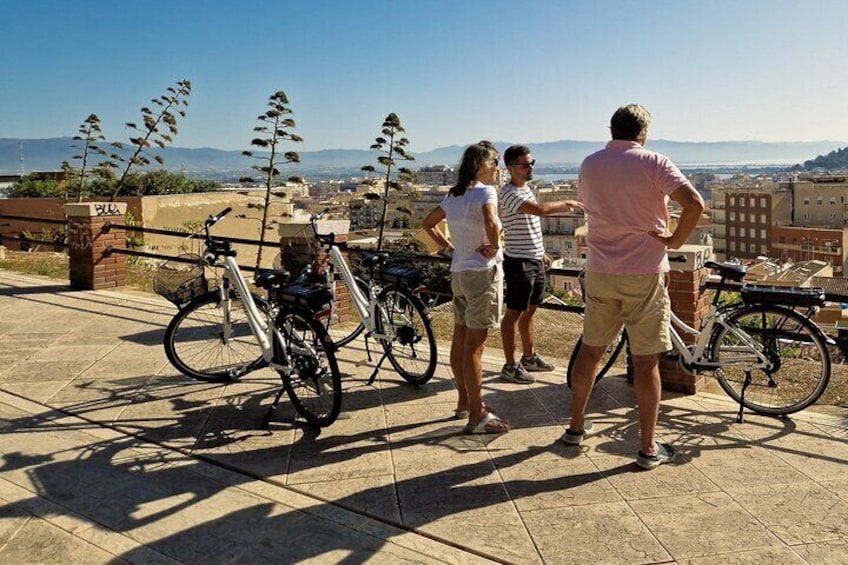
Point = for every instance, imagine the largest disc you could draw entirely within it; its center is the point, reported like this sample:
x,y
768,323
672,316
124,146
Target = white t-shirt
x,y
464,215
523,231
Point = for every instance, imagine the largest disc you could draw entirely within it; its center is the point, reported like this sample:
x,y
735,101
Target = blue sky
x,y
455,71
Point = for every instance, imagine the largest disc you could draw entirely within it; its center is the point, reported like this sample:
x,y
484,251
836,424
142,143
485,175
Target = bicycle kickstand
x,y
740,416
377,367
266,421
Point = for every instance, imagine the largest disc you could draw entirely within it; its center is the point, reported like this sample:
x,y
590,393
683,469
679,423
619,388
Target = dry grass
x,y
55,266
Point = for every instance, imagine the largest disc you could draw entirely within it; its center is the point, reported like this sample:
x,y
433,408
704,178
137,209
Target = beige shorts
x,y
477,298
639,303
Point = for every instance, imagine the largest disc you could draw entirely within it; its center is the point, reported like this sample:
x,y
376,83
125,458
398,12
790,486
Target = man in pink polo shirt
x,y
624,189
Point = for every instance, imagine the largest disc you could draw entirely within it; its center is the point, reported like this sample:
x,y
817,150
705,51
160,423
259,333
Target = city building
x,y
436,175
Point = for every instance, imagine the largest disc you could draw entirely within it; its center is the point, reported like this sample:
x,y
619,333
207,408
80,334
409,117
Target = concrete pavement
x,y
110,456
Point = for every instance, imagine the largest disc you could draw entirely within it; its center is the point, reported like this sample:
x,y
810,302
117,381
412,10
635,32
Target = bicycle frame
x,y
694,357
363,304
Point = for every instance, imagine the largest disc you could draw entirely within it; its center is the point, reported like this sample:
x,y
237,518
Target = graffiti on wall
x,y
107,209
78,236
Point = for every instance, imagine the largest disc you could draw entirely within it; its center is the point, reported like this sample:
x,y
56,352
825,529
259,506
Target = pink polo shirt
x,y
624,189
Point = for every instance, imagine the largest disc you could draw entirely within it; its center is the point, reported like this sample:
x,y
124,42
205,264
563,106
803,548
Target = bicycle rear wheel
x,y
607,361
412,348
345,324
210,339
313,385
795,347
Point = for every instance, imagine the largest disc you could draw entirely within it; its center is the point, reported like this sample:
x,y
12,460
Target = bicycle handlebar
x,y
326,238
211,220
678,259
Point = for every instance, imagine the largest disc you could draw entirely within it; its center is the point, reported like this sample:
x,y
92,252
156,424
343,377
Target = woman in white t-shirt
x,y
470,209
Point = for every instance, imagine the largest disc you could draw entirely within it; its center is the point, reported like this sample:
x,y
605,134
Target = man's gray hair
x,y
630,122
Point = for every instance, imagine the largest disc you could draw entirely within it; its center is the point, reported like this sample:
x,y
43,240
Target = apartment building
x,y
798,244
819,201
437,175
743,218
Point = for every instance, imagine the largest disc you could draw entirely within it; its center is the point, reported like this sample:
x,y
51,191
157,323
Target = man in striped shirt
x,y
524,263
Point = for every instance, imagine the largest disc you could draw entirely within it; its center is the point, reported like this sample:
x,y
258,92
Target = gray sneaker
x,y
516,374
574,437
665,453
536,363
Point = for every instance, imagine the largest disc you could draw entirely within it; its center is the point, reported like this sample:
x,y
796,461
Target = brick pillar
x,y
691,307
297,238
91,268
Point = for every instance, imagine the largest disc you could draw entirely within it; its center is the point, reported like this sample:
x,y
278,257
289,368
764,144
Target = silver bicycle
x,y
387,306
764,350
224,331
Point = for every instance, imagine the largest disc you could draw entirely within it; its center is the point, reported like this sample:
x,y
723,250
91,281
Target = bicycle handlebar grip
x,y
224,212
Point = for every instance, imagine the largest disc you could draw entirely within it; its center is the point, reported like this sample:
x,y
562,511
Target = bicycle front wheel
x,y
607,361
411,346
313,382
798,367
210,339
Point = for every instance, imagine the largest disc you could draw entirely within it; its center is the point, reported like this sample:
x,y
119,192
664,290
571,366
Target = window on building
x,y
819,201
752,248
762,218
732,231
806,217
732,200
762,202
733,246
832,200
806,201
751,202
762,234
763,250
743,217
732,216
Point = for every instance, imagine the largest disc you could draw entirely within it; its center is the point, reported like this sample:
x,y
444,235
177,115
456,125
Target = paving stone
x,y
702,524
796,513
830,552
40,542
782,555
512,543
593,533
550,483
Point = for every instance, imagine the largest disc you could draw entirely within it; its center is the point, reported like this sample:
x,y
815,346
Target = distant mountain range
x,y
48,154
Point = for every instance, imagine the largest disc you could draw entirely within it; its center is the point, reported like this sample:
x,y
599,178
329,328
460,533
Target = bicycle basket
x,y
782,295
312,296
401,275
180,282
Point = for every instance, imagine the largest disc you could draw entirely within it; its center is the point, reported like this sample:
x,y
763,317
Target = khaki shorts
x,y
477,298
640,303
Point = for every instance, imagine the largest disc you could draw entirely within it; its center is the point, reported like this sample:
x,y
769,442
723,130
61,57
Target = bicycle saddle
x,y
730,271
375,259
267,278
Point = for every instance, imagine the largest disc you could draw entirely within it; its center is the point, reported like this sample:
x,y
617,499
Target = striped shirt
x,y
523,231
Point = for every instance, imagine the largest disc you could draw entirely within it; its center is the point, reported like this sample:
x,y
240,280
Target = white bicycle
x,y
765,354
224,332
387,307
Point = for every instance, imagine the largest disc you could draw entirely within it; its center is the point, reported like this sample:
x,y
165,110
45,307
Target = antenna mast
x,y
21,151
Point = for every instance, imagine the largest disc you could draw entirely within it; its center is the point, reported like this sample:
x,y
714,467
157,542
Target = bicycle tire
x,y
796,346
345,326
197,347
405,317
313,384
609,359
